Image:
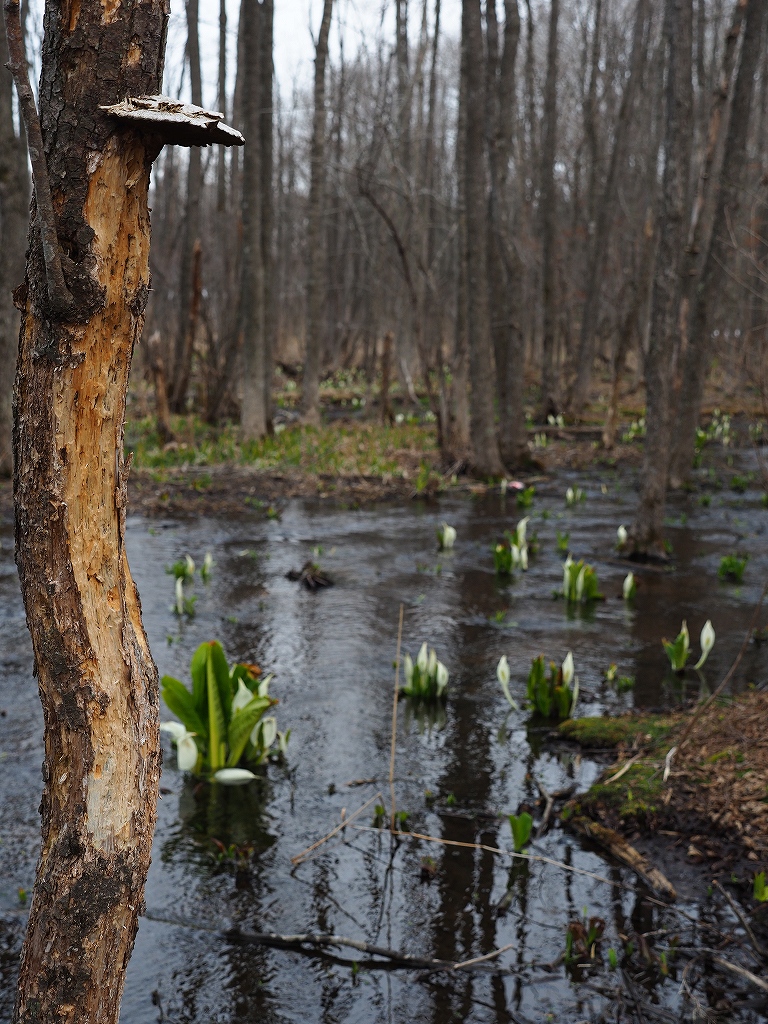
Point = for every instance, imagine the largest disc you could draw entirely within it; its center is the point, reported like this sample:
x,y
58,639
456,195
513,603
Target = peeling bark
x,y
98,684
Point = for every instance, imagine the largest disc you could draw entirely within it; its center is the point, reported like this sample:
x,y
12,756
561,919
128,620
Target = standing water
x,y
222,855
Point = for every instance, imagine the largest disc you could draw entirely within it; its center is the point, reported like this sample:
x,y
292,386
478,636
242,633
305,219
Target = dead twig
x,y
334,831
761,952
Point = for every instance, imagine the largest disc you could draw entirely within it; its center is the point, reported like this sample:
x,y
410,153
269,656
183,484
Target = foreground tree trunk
x,y
14,198
98,684
664,346
310,396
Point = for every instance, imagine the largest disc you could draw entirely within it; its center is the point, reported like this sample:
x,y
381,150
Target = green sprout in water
x,y
184,569
521,825
525,497
222,719
678,650
563,540
580,584
732,568
427,679
552,691
760,889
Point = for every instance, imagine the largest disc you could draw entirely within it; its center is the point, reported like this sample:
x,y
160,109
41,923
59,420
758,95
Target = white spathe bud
x,y
568,668
423,658
707,641
622,536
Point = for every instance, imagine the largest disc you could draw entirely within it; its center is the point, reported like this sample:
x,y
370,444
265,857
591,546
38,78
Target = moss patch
x,y
603,733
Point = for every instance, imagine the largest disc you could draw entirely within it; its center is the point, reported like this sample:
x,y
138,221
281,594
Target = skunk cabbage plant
x,y
222,717
553,691
427,679
446,537
678,650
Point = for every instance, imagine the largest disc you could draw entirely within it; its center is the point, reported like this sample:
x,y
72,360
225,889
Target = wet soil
x,y
458,773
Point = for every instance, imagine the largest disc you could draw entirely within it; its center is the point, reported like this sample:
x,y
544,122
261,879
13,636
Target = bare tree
x,y
316,264
714,269
485,447
550,398
664,345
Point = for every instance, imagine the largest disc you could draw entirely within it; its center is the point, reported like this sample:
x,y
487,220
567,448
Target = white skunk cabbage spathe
x,y
622,536
707,641
422,659
568,668
441,677
628,587
502,674
186,748
242,698
408,669
446,536
233,776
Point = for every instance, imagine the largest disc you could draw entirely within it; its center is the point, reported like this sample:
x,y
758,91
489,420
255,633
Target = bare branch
x,y
59,295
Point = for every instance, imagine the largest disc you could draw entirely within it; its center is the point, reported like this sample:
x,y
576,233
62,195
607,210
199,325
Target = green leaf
x,y
521,829
217,723
241,726
197,669
221,672
181,702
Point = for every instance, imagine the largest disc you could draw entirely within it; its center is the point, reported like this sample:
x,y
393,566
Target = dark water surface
x,y
332,655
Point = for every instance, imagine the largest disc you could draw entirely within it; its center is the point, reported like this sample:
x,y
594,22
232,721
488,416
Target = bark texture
x,y
185,338
253,320
664,344
315,248
550,400
98,684
485,447
504,266
14,216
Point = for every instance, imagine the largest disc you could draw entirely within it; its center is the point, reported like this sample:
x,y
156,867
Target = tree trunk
x,y
664,347
315,242
253,420
457,441
550,398
606,213
714,271
182,363
14,215
504,265
221,156
485,448
98,684
265,143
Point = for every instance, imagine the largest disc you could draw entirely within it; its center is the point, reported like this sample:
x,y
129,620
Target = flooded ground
x,y
332,654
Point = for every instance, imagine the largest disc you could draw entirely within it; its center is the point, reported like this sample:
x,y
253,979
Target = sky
x,y
356,21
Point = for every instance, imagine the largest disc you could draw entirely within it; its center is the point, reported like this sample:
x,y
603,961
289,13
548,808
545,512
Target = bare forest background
x,y
567,200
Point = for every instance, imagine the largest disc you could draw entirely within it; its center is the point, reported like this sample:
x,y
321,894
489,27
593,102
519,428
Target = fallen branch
x,y
737,969
395,957
618,847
